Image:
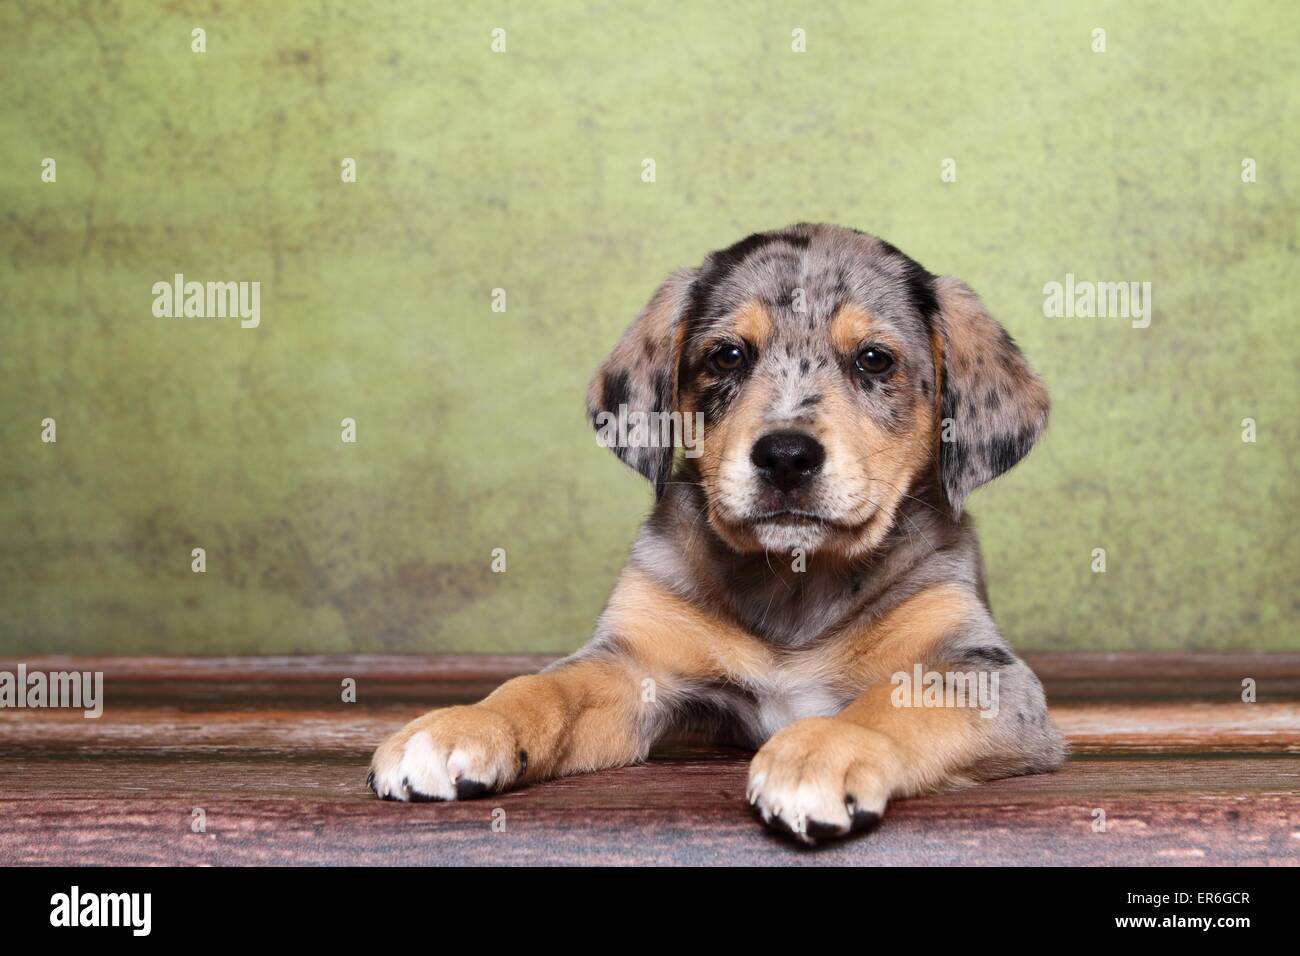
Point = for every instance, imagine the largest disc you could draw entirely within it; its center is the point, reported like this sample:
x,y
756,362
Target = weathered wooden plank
x,y
277,762
688,809
1128,676
197,727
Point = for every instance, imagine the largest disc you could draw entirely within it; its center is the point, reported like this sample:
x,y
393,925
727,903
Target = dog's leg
x,y
603,707
825,776
580,715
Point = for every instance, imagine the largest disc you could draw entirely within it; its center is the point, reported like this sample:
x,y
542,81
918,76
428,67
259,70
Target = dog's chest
x,y
781,699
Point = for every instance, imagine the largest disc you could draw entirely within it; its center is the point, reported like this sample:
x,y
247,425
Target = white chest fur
x,y
782,700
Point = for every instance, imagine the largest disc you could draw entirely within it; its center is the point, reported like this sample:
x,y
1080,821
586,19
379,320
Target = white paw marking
x,y
423,769
809,809
795,805
429,772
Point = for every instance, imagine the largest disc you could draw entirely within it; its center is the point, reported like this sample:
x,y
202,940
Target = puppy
x,y
807,584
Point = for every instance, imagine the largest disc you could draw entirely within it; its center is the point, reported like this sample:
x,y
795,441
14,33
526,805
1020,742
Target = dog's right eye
x,y
873,360
728,358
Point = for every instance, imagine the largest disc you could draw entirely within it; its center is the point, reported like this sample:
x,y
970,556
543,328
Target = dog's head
x,y
832,375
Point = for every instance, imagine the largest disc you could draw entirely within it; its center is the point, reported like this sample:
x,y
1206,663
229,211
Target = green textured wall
x,y
522,170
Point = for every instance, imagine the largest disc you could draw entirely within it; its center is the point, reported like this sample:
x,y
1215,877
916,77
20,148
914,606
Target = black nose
x,y
787,459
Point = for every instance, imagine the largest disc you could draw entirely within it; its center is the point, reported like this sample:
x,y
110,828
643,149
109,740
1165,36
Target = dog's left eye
x,y
874,360
729,358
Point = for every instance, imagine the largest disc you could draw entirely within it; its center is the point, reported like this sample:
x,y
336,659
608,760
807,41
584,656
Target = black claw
x,y
778,823
470,789
370,780
775,822
864,820
824,831
523,762
860,821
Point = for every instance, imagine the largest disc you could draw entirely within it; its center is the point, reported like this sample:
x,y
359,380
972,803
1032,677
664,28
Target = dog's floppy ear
x,y
639,377
993,406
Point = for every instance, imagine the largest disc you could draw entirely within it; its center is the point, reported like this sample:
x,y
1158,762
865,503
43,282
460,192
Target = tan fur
x,y
932,744
753,323
907,635
672,638
885,465
572,720
731,436
936,404
852,327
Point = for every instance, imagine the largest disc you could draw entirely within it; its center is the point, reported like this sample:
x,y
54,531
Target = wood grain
x,y
276,761
1087,676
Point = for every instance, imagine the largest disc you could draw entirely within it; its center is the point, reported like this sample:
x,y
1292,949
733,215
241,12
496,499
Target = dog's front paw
x,y
821,778
454,754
